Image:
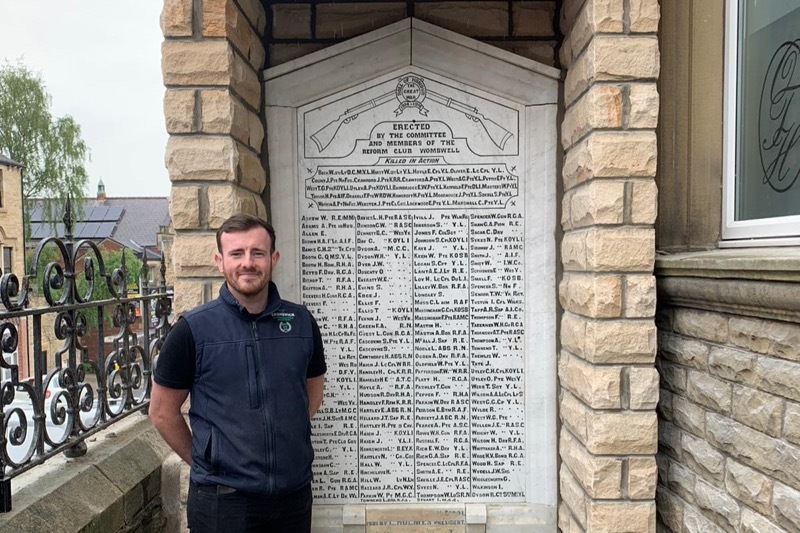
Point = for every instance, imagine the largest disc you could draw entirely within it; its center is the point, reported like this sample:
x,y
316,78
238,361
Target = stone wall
x,y
729,358
526,28
609,386
129,480
212,59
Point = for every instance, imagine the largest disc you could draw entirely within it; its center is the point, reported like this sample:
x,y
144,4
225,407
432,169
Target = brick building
x,y
678,367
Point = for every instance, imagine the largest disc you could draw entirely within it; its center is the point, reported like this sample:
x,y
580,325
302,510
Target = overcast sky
x,y
101,63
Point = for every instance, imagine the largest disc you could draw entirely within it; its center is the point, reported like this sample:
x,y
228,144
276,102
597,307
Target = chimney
x,y
101,193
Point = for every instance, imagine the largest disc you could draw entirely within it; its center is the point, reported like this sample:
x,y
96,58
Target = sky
x,y
100,61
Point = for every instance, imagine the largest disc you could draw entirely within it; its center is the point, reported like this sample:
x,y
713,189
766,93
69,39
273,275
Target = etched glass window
x,y
765,201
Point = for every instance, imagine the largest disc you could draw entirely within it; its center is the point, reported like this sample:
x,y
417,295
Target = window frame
x,y
774,231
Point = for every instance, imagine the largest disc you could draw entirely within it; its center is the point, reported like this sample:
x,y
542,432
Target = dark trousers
x,y
217,509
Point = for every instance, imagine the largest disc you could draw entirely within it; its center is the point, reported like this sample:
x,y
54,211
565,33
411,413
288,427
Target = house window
x,y
7,265
762,123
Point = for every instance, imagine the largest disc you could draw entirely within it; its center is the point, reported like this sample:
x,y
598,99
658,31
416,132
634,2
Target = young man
x,y
254,366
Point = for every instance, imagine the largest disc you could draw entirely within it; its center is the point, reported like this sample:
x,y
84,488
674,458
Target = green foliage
x,y
51,148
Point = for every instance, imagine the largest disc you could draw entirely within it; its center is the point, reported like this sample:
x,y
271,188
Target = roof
x,y
133,222
6,161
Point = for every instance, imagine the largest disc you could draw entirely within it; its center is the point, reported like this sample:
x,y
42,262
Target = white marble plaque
x,y
415,211
412,261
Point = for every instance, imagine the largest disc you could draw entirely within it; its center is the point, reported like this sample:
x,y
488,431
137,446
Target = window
x,y
2,196
762,123
7,265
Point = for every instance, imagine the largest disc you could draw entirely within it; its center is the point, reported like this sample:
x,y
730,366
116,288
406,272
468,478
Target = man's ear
x,y
276,255
218,260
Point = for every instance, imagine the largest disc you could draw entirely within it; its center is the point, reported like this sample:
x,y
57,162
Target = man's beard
x,y
250,287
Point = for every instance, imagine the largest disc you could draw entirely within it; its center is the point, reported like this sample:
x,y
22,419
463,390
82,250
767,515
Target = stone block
x,y
572,495
176,18
779,377
283,53
758,410
184,207
291,21
702,458
229,199
644,16
473,19
673,377
669,440
533,19
749,486
250,170
695,522
644,201
665,401
684,351
670,509
580,27
714,502
682,481
336,21
573,415
609,341
254,11
594,203
214,17
244,81
642,478
391,518
611,154
600,477
639,299
542,51
244,38
643,388
622,517
786,503
643,105
597,386
622,433
598,296
732,364
791,423
179,110
688,416
601,107
189,294
701,325
619,249
203,158
613,58
779,339
753,522
222,112
773,457
193,255
709,391
193,63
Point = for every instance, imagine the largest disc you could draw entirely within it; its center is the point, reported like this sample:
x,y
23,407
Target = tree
x,y
51,149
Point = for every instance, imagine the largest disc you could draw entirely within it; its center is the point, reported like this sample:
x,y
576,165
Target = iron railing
x,y
57,408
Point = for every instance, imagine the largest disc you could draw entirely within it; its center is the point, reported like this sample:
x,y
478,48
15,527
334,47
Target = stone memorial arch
x,y
352,152
413,184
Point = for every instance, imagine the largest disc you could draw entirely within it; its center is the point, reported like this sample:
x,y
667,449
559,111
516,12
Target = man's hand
x,y
165,412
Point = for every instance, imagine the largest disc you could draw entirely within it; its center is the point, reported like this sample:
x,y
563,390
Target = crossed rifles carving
x,y
411,92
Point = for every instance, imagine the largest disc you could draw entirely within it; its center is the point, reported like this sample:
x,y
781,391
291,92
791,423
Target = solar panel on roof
x,y
106,229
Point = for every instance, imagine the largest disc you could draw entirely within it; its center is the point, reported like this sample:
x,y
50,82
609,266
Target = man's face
x,y
246,260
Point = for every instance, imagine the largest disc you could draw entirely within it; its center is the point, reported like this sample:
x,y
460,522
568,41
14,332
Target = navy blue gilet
x,y
249,405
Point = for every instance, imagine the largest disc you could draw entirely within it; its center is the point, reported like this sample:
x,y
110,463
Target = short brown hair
x,y
239,223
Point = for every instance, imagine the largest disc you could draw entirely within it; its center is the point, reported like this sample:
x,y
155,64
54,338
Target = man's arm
x,y
314,388
165,412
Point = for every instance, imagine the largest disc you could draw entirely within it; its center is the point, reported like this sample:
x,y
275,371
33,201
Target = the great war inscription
x,y
412,258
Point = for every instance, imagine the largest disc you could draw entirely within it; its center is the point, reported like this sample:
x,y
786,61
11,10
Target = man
x,y
254,366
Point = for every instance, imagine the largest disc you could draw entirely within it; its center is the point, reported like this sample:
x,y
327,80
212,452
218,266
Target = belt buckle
x,y
224,489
